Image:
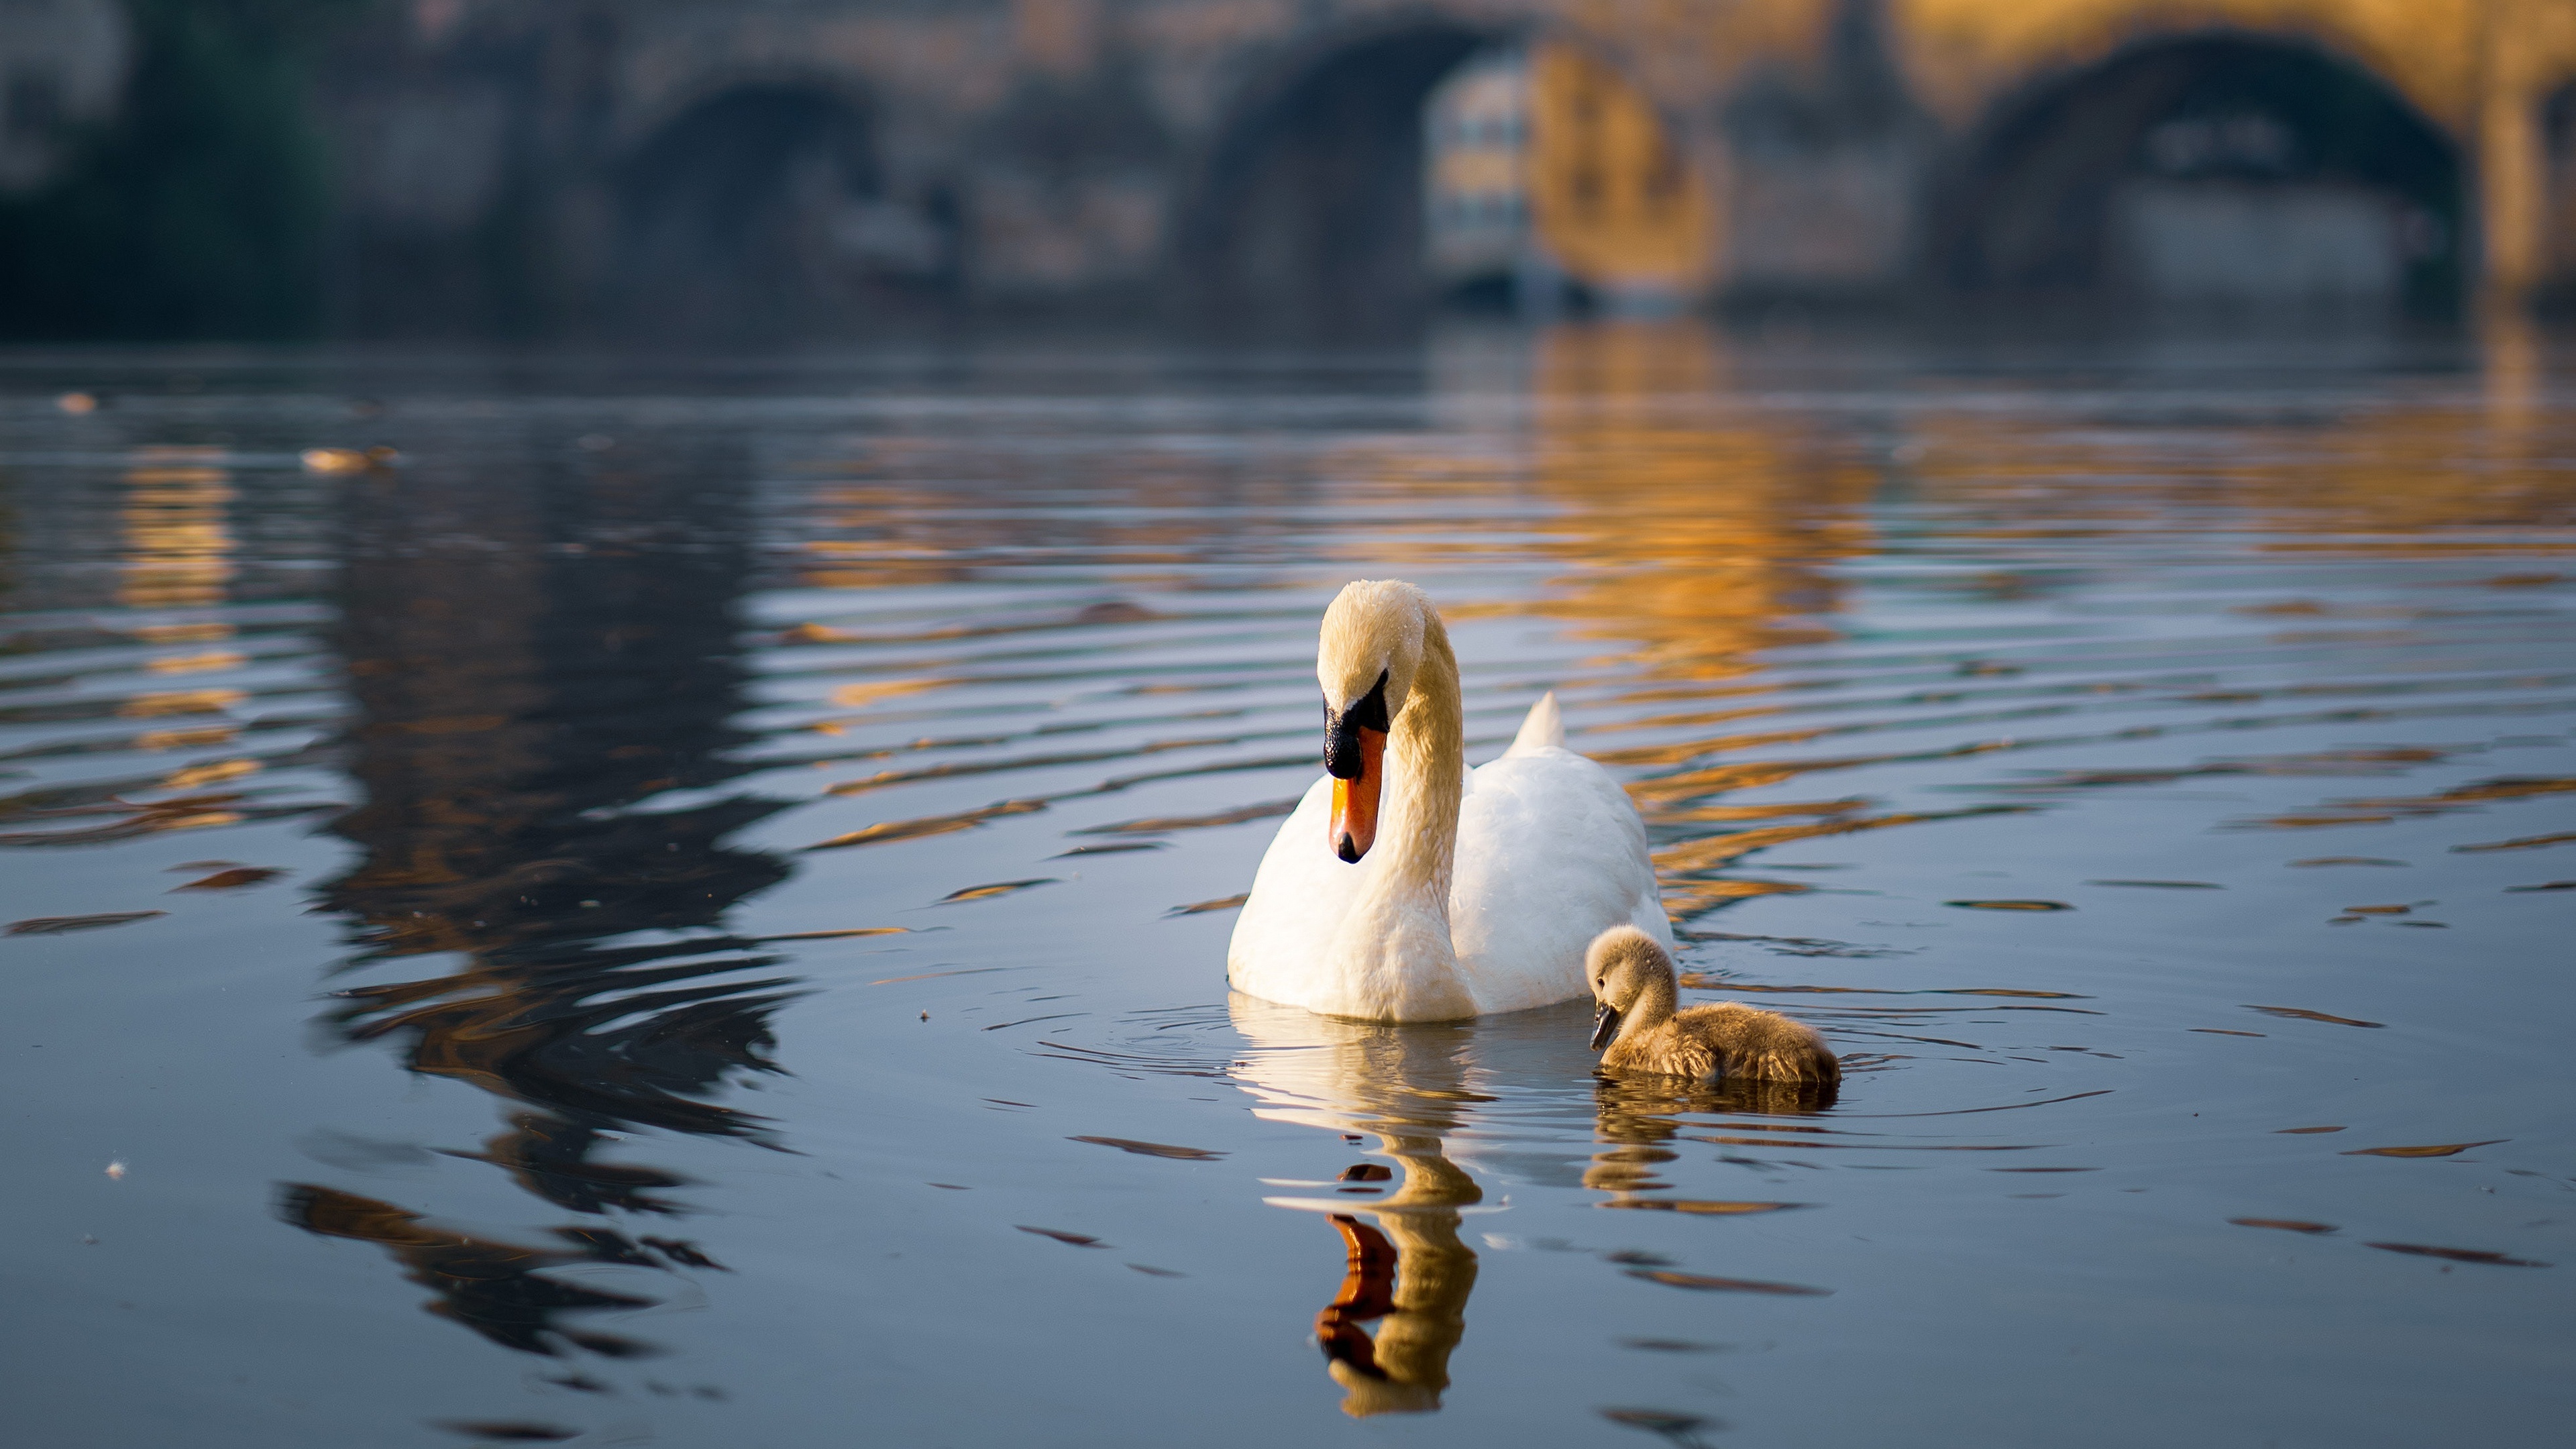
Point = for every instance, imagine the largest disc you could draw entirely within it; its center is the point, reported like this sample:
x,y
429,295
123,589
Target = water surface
x,y
692,908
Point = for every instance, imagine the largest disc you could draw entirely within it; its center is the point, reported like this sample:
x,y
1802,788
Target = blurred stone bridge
x,y
767,167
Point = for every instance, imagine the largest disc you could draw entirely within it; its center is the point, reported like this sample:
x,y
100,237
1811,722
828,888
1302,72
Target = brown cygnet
x,y
1632,977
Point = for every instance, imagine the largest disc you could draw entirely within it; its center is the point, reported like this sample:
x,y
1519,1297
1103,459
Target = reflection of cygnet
x,y
1632,978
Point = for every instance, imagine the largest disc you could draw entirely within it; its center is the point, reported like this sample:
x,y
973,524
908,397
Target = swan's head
x,y
1370,654
1623,965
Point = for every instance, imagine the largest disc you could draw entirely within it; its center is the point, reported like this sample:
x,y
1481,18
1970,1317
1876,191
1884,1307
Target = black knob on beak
x,y
1342,731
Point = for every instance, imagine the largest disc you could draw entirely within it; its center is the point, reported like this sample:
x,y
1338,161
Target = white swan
x,y
1480,891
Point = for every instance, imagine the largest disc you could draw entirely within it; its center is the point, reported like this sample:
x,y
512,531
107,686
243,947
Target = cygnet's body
x,y
1632,977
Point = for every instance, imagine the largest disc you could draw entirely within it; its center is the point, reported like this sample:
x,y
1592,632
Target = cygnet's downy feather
x,y
1631,975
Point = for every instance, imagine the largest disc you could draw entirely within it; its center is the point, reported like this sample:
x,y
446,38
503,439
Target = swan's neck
x,y
1426,755
1394,945
1653,1007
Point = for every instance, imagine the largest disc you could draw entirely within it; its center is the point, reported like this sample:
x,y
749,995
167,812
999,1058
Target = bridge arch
x,y
1306,210
2218,169
759,210
1303,212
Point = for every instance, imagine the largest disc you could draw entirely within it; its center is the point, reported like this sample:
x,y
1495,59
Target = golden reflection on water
x,y
1693,540
178,543
2419,482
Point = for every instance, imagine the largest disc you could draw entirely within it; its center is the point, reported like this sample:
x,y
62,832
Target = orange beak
x,y
1355,800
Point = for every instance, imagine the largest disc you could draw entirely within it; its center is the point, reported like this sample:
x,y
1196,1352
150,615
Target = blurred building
x,y
1476,232
1546,172
690,168
62,66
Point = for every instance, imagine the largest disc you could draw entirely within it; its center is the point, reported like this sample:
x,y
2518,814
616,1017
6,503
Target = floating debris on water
x,y
2528,842
997,888
63,925
1681,1429
1152,1149
511,1430
2458,1255
2442,1149
1079,1240
2303,1014
2011,905
843,934
1706,1284
232,880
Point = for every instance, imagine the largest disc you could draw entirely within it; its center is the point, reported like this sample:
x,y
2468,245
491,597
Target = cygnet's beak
x,y
1605,1025
1354,755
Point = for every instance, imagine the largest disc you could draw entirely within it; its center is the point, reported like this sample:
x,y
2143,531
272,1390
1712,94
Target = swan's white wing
x,y
1298,899
1550,854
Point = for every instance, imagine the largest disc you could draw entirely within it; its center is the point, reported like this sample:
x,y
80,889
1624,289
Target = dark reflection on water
x,y
716,882
490,1287
528,659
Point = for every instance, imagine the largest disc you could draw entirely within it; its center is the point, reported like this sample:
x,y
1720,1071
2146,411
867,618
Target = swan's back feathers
x,y
1550,853
1544,728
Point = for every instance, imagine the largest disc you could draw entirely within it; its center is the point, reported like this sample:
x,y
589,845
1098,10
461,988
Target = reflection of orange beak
x,y
1368,1291
1355,801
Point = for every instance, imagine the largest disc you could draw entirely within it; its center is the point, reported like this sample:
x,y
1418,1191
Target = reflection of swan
x,y
1409,1272
1637,1116
1631,976
1487,886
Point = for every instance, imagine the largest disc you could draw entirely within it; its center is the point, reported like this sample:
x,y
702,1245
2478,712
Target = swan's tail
x,y
1543,728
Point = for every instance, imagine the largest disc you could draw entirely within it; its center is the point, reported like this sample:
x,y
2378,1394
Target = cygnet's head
x,y
1367,661
1622,966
